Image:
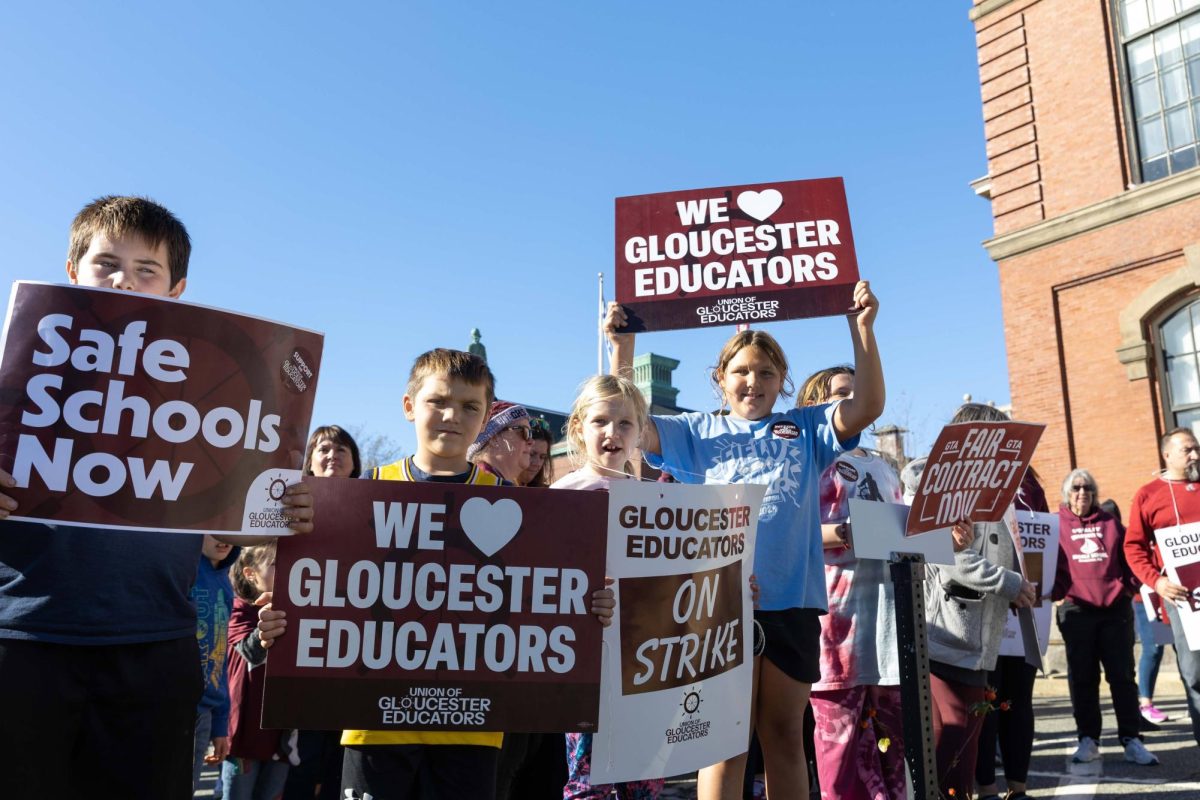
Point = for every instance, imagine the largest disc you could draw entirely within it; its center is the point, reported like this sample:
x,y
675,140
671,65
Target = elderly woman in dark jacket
x,y
1095,617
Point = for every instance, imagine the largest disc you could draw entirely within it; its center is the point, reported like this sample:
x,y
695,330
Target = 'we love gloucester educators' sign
x,y
733,255
434,606
130,411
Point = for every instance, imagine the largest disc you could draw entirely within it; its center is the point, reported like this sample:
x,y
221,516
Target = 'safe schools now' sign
x,y
125,410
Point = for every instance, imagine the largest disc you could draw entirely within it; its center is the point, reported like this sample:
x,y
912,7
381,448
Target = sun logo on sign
x,y
276,488
691,701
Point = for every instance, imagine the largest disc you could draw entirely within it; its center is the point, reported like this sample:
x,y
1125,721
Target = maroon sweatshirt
x,y
1091,560
246,738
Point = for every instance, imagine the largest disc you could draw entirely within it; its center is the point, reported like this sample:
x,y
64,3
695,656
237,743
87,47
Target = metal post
x,y
908,575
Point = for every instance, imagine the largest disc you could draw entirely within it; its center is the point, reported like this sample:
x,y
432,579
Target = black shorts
x,y
793,641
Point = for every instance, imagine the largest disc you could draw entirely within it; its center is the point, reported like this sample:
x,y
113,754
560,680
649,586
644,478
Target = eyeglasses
x,y
525,431
539,424
1084,487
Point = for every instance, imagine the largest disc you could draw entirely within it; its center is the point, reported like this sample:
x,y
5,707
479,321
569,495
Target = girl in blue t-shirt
x,y
751,443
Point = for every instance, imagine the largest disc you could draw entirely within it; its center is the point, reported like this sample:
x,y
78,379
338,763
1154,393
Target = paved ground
x,y
1051,774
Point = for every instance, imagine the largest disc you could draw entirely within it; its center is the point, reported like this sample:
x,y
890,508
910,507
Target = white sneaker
x,y
1088,750
1136,752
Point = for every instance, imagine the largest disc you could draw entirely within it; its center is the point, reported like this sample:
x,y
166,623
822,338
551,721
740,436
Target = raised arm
x,y
854,415
621,365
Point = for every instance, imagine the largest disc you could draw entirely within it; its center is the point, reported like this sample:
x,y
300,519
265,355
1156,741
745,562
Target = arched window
x,y
1180,338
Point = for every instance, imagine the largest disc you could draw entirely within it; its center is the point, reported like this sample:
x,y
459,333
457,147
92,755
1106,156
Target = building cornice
x,y
1147,197
987,7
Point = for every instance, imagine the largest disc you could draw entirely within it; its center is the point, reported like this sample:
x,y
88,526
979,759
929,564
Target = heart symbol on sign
x,y
490,526
760,205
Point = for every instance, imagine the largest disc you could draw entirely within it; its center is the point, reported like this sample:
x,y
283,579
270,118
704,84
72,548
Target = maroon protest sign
x,y
125,410
974,471
738,254
433,606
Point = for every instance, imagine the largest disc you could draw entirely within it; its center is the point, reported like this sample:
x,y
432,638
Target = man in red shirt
x,y
1167,501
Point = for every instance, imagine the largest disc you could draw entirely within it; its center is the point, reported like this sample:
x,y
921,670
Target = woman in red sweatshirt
x,y
1095,617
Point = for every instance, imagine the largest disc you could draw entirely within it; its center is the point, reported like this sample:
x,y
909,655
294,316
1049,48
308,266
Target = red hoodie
x,y
1091,560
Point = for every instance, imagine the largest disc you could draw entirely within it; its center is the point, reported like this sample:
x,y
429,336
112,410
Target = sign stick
x,y
908,576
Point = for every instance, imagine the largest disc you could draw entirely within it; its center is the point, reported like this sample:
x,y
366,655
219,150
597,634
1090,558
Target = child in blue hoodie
x,y
213,596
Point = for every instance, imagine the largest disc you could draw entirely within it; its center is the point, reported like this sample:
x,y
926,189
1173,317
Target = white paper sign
x,y
1179,547
1039,543
1161,630
878,532
678,664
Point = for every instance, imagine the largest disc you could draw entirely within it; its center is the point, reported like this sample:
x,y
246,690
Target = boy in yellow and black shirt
x,y
447,399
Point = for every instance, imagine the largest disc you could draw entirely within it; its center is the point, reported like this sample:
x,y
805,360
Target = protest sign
x,y
973,471
1039,544
131,411
435,606
737,254
675,694
1179,547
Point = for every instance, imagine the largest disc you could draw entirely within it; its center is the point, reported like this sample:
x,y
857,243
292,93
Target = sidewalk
x,y
1051,773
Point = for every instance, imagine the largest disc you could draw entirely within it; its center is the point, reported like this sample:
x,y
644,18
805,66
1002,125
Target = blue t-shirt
x,y
73,585
787,452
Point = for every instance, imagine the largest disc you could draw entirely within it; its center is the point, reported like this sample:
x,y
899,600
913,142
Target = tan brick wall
x,y
1113,418
1050,103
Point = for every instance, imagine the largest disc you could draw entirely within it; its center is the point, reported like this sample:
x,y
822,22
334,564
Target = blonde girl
x,y
603,433
787,451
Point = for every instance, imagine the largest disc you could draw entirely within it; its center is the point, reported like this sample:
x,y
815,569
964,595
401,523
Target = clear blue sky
x,y
396,174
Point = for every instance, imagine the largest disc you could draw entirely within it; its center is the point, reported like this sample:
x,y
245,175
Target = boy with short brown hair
x,y
98,654
448,397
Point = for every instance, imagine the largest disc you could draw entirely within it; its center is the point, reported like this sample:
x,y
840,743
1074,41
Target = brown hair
x,y
764,342
337,435
817,389
120,217
453,364
256,558
594,390
541,433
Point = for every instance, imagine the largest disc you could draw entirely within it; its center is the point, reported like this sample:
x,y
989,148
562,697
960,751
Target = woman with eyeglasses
x,y
531,766
503,446
1095,618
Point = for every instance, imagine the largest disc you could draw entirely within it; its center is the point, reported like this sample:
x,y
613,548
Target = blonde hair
x,y
817,389
594,390
770,348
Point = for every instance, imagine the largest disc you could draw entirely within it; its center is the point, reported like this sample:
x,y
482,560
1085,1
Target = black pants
x,y
320,765
1013,681
109,721
419,772
532,766
1097,637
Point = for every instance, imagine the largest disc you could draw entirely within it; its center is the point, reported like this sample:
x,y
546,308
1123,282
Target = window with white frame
x,y
1179,337
1161,43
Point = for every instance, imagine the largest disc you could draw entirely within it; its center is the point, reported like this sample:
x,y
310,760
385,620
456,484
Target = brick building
x,y
1092,119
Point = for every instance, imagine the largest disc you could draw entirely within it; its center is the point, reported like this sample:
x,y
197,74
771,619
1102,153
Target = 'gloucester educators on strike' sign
x,y
433,606
677,683
739,254
973,472
125,410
